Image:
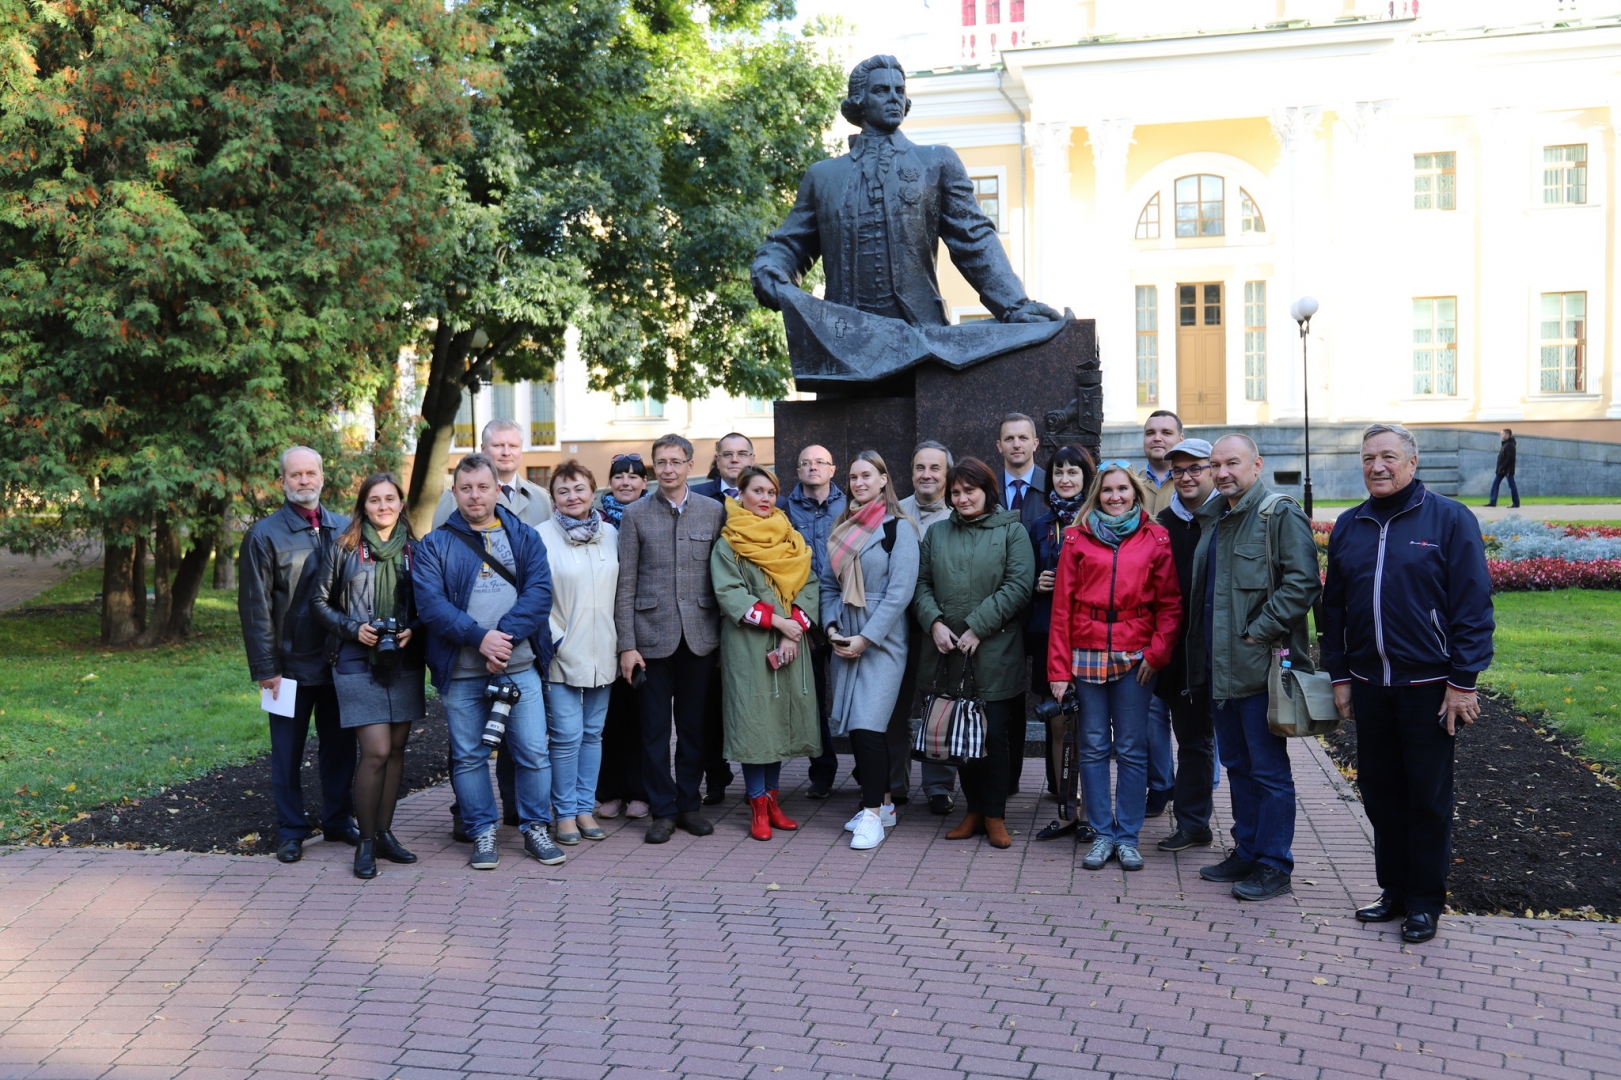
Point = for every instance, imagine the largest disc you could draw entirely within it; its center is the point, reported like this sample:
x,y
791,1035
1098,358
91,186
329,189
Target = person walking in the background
x,y
281,557
928,506
502,443
669,631
619,782
1161,431
1506,454
761,567
812,507
734,452
1407,619
975,578
1195,482
1023,482
1243,607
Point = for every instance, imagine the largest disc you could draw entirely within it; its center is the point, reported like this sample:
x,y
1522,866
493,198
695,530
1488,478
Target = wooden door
x,y
1201,354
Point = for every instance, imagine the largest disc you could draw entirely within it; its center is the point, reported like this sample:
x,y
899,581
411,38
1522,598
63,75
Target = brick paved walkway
x,y
723,957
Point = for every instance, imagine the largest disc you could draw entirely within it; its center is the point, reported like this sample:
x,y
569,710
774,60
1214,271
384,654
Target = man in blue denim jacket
x,y
484,589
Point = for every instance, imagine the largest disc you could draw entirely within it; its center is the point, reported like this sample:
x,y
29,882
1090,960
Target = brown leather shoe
x,y
996,833
970,825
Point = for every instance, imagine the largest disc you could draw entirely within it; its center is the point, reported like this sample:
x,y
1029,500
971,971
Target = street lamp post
x,y
1301,312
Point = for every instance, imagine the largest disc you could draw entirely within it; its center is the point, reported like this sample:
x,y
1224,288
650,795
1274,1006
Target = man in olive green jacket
x,y
1250,596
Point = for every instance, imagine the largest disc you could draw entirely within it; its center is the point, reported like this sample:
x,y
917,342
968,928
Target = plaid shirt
x,y
1101,666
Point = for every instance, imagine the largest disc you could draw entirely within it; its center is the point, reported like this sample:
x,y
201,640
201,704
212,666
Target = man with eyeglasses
x,y
669,630
1195,485
813,506
733,453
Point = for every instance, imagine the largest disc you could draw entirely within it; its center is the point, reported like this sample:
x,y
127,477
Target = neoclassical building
x,y
1440,177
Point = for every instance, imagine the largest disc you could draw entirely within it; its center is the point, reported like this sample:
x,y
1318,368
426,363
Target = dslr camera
x,y
503,694
1050,710
387,635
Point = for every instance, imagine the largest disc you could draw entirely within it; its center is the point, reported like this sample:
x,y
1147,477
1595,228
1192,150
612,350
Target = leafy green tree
x,y
636,160
211,216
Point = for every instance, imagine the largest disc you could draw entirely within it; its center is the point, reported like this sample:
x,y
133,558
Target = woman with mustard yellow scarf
x,y
761,572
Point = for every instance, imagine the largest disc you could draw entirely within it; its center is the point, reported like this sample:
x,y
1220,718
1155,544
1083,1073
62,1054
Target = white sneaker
x,y
869,831
886,814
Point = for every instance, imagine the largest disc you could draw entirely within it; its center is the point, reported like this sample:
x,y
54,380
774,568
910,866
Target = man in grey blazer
x,y
1024,486
669,629
502,443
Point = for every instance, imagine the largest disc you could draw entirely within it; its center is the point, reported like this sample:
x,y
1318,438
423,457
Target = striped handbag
x,y
952,727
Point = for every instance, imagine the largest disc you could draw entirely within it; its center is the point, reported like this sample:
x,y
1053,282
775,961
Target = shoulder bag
x,y
952,727
1299,703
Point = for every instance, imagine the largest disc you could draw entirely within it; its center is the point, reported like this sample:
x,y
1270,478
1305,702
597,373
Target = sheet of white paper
x,y
282,705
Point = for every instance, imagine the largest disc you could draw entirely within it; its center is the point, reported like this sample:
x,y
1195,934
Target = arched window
x,y
1148,220
1200,206
1250,213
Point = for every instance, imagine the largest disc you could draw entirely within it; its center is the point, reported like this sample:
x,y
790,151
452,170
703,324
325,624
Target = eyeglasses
x,y
627,457
823,462
1195,471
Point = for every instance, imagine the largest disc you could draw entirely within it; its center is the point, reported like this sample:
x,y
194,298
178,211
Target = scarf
x,y
613,510
844,546
1114,530
772,544
1065,508
577,531
929,508
386,556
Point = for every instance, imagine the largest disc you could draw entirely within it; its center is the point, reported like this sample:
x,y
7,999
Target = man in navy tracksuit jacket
x,y
1407,620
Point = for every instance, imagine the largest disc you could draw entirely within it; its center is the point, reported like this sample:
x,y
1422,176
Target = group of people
x,y
577,630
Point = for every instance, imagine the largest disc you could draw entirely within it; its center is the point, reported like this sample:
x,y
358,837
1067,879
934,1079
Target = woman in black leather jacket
x,y
363,600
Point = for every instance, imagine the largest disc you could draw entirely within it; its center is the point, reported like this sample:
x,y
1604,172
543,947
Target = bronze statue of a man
x,y
876,216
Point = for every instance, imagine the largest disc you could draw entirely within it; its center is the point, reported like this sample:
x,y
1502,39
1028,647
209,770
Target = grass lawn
x,y
82,725
1559,653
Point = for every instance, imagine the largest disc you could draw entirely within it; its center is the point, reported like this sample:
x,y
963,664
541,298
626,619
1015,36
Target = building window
x,y
993,11
756,406
968,7
1250,213
1148,220
1435,181
1435,345
1015,14
1254,340
644,407
1199,206
1564,175
1147,345
988,193
543,413
539,474
502,399
1564,342
465,430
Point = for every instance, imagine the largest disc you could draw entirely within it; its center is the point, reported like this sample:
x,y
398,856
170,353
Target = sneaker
x,y
660,830
868,831
537,843
817,792
1265,883
940,805
1230,869
886,815
484,856
637,809
610,809
1181,840
1101,850
1130,858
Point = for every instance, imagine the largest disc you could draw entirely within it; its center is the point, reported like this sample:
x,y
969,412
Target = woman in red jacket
x,y
1116,610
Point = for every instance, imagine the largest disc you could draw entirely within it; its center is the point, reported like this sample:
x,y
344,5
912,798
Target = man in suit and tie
x,y
1024,484
734,452
503,444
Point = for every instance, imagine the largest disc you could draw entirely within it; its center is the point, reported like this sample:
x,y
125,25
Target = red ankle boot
x,y
779,820
760,817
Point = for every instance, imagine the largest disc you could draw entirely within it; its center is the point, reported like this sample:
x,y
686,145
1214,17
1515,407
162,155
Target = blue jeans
x,y
465,712
1114,718
1513,489
1161,763
575,717
759,779
1259,781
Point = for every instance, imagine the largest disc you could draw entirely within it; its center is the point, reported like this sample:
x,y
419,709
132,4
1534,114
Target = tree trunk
x,y
117,568
224,552
137,581
188,579
165,560
443,397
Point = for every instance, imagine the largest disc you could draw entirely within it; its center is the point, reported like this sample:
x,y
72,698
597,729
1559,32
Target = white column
x,y
1049,152
1301,167
1505,329
1108,280
1374,347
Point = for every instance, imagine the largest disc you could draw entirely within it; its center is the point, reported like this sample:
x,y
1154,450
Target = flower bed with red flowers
x,y
1607,532
1542,575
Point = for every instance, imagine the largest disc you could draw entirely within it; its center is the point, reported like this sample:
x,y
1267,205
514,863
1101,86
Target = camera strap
x,y
484,556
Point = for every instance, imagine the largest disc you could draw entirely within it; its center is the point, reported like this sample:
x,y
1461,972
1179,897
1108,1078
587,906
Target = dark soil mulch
x,y
230,809
1536,830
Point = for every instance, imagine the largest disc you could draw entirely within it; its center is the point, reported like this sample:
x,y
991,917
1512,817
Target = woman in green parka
x,y
761,571
976,574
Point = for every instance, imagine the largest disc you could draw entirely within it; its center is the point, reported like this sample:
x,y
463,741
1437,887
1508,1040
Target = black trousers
x,y
677,689
824,767
898,736
335,760
1035,655
984,782
1404,764
872,753
1195,733
621,774
717,771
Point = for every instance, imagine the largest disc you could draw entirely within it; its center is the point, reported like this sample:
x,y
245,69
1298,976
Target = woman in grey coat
x,y
868,579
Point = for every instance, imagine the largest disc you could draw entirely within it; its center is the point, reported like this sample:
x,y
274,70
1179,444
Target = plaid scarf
x,y
844,545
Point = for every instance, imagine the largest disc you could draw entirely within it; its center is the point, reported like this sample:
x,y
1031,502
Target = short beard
x,y
308,502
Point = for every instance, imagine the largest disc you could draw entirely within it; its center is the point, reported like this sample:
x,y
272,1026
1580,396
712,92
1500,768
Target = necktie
x,y
1018,496
731,492
506,489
